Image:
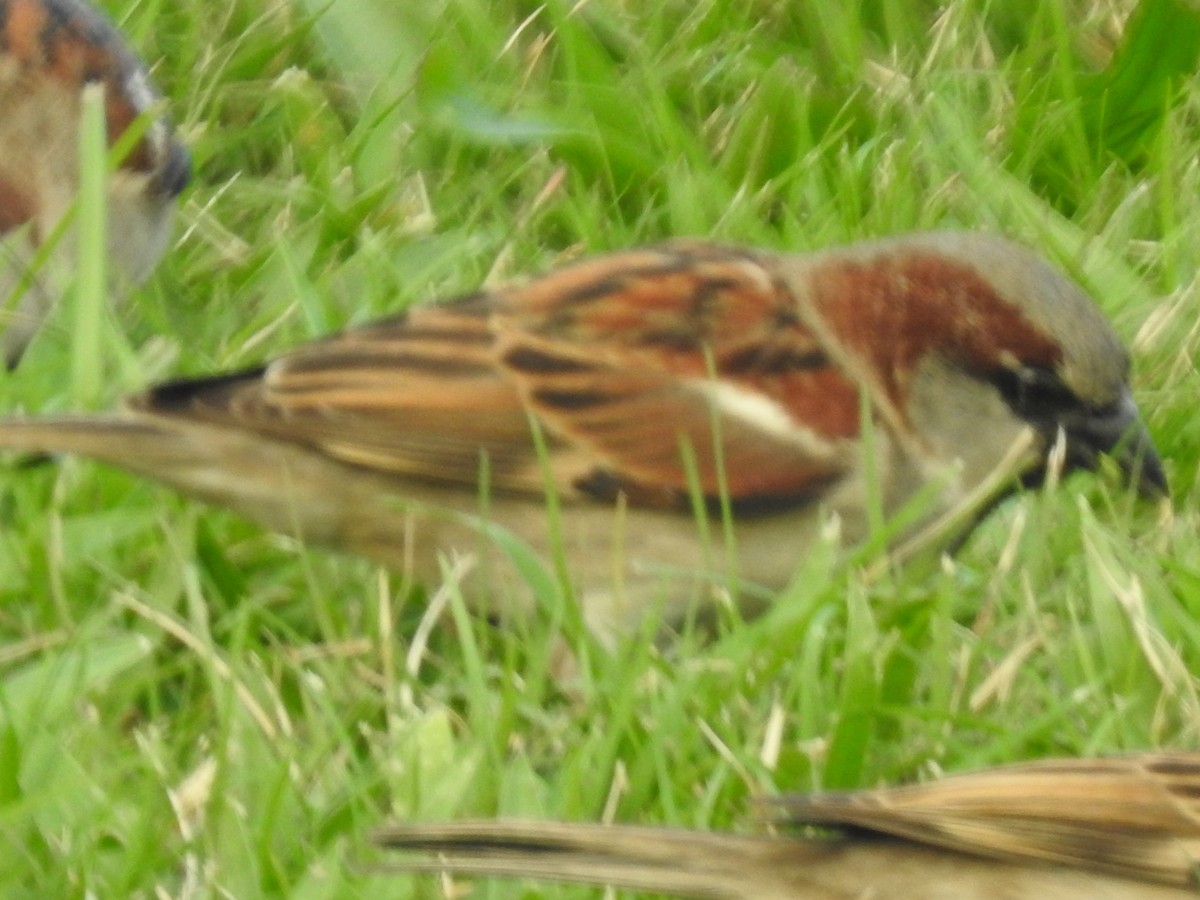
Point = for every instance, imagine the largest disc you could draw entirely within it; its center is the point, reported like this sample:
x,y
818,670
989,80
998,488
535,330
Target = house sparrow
x,y
667,386
1074,829
49,50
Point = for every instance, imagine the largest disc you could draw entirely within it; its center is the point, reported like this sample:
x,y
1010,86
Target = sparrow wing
x,y
621,361
694,345
417,395
1138,816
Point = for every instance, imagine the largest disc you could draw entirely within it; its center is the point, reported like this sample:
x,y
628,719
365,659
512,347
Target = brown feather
x,y
590,352
1121,829
1136,816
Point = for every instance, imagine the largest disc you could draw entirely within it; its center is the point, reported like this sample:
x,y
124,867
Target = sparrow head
x,y
50,50
967,339
56,47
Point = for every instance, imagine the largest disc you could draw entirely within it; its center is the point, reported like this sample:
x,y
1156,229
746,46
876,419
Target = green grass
x,y
191,706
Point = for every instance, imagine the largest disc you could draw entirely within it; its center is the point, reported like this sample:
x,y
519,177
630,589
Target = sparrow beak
x,y
1117,431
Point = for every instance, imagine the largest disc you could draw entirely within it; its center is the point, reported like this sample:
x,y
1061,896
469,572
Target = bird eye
x,y
1034,392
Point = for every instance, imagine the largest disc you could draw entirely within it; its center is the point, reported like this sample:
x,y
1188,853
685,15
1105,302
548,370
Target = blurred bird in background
x,y
1072,829
49,51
